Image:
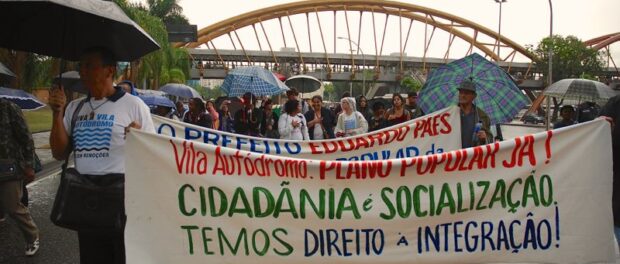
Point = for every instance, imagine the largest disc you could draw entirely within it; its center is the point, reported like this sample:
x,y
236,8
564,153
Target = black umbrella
x,y
304,83
5,71
5,74
71,82
65,28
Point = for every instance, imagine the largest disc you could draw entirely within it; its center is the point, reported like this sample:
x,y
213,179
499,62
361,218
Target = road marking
x,y
34,183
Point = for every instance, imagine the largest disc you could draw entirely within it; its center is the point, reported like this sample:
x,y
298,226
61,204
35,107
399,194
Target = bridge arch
x,y
431,17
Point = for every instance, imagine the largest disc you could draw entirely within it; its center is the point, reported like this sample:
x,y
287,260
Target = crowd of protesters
x,y
295,119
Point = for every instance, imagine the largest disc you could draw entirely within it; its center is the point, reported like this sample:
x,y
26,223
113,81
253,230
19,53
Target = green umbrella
x,y
497,94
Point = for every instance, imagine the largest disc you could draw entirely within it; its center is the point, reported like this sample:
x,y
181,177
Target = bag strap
x,y
73,121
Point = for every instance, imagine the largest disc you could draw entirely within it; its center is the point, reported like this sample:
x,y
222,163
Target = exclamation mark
x,y
548,145
557,225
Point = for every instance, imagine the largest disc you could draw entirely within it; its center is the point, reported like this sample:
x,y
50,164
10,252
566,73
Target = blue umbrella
x,y
180,90
153,100
256,80
23,99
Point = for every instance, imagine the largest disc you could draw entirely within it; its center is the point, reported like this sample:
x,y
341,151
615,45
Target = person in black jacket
x,y
321,121
197,114
611,112
269,123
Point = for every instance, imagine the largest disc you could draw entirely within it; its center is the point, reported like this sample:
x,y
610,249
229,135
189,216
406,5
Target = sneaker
x,y
32,248
2,218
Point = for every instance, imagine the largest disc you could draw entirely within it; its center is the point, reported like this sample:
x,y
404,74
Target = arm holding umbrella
x,y
59,138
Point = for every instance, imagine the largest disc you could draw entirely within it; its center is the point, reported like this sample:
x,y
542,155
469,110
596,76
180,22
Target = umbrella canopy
x,y
71,82
21,98
154,100
65,28
254,79
150,92
304,83
497,94
5,71
180,90
580,89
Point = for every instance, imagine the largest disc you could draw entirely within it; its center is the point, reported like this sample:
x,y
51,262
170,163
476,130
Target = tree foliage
x,y
168,64
571,57
411,84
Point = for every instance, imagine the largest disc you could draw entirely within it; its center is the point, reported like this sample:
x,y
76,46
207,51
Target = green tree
x,y
328,91
207,93
571,57
166,65
411,84
168,10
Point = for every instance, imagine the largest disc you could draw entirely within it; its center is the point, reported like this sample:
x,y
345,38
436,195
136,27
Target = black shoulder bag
x,y
89,202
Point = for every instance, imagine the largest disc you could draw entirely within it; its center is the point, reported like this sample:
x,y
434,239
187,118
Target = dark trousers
x,y
102,247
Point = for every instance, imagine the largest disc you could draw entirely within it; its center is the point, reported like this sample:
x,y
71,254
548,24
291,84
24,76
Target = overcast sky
x,y
523,21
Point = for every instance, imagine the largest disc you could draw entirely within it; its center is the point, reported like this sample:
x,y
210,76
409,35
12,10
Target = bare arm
x,y
59,139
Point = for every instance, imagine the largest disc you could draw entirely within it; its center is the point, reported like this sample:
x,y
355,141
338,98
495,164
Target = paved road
x,y
58,246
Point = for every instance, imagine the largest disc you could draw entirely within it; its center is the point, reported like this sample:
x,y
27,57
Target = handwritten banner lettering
x,y
538,198
435,133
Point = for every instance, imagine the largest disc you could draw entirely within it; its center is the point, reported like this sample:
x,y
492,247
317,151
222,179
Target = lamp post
x,y
499,30
550,74
364,64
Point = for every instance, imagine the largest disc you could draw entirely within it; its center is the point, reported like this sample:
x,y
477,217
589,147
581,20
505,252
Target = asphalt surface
x,y
58,245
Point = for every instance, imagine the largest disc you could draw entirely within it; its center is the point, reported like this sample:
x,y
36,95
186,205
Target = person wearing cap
x,y
472,115
293,94
412,104
247,119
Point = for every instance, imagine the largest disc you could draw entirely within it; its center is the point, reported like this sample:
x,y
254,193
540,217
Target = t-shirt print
x,y
93,133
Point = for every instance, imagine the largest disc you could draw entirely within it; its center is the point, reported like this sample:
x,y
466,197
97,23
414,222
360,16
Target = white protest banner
x,y
543,198
434,133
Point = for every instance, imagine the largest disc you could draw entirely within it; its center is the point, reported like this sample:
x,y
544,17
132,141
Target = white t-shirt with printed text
x,y
100,138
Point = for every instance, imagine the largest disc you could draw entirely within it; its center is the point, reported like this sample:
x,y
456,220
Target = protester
x,y
587,111
397,114
17,156
338,109
215,116
226,120
128,87
611,111
377,121
566,112
475,123
412,103
180,110
321,120
363,107
165,111
293,94
106,107
269,125
247,120
350,122
292,124
197,114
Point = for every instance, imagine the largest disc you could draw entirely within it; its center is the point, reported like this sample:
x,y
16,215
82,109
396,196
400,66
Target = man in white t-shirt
x,y
98,136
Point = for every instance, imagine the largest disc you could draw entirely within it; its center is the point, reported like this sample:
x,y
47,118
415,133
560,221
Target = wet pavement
x,y
58,245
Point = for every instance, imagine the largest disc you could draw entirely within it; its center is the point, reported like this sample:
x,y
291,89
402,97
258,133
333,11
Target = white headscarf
x,y
350,101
